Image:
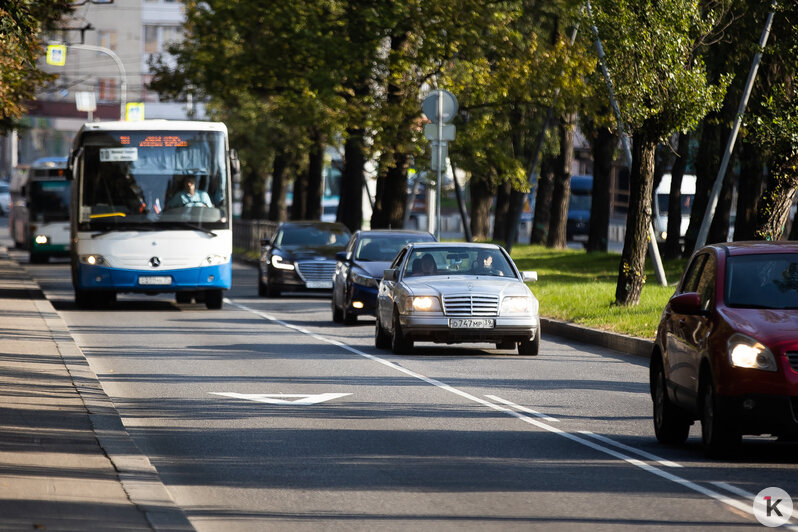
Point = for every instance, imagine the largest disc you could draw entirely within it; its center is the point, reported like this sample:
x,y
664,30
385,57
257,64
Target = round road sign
x,y
448,106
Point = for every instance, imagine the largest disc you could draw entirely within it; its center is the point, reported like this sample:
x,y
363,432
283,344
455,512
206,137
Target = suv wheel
x,y
719,437
671,425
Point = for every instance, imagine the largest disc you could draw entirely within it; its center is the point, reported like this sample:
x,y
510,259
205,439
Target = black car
x,y
359,270
300,256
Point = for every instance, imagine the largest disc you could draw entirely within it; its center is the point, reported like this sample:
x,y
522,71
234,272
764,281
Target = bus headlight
x,y
92,260
41,239
519,305
214,260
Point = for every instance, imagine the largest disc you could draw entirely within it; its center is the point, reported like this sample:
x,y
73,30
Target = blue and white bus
x,y
151,210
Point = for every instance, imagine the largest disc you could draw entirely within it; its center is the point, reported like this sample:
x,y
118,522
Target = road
x,y
267,416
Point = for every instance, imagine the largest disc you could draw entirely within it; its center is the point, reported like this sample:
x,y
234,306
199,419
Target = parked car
x,y
726,350
454,293
301,256
5,198
360,269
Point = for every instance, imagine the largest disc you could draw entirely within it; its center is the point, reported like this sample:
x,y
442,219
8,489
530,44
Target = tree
x,y
22,23
652,52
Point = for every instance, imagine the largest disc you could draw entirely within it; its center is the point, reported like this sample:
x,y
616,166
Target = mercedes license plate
x,y
471,323
155,279
319,284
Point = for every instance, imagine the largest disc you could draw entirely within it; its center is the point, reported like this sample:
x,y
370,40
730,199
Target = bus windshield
x,y
163,179
49,201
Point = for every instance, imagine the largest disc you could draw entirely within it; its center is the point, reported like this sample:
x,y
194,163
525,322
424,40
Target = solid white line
x,y
734,503
734,489
644,454
522,408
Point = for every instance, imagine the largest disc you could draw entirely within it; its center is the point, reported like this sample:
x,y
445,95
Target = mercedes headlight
x,y
420,304
519,305
745,352
282,263
364,280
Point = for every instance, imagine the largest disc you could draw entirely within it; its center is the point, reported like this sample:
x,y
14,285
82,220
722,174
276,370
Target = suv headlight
x,y
364,280
519,305
745,352
281,263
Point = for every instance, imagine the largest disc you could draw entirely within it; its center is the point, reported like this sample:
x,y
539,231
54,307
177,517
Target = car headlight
x,y
364,280
41,239
281,263
519,305
745,352
419,304
214,260
92,260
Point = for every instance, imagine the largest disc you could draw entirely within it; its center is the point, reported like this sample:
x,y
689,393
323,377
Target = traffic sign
x,y
134,111
56,54
444,154
448,105
431,132
85,101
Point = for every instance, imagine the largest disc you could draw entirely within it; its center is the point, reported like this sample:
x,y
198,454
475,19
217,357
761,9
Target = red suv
x,y
727,347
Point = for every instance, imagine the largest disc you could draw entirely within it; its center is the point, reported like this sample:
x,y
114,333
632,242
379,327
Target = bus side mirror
x,y
69,170
235,166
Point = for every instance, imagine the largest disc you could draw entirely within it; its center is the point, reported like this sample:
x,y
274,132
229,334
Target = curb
x,y
139,478
629,345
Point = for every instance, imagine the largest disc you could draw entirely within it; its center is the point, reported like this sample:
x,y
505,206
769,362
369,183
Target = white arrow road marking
x,y
294,399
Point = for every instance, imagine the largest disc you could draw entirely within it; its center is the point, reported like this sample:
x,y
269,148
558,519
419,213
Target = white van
x,y
660,207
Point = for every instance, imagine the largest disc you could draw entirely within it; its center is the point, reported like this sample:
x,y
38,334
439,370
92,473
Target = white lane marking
x,y
522,408
639,452
294,399
734,503
734,489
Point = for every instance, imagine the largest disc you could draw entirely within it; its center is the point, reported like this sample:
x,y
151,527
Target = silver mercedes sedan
x,y
456,293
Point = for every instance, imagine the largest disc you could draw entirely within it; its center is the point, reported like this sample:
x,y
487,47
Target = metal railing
x,y
247,234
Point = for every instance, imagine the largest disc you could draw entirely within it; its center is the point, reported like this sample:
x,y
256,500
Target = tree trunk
x,y
315,177
277,204
545,189
350,206
774,207
604,143
749,190
482,193
719,228
299,204
673,246
562,186
706,166
501,221
631,274
392,194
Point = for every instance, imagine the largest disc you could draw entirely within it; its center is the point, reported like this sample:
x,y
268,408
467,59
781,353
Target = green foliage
x,y
579,287
21,23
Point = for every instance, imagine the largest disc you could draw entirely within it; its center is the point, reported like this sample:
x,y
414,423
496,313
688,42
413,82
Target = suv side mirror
x,y
235,166
687,303
389,275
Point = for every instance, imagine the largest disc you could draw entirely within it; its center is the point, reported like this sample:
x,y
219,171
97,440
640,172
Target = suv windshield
x,y
762,281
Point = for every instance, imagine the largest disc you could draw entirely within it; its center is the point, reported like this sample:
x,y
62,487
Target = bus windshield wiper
x,y
195,227
123,227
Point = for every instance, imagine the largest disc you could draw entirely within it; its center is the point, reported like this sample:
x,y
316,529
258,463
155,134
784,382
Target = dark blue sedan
x,y
360,267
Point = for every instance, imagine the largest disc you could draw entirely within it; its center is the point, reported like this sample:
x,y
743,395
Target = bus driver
x,y
190,195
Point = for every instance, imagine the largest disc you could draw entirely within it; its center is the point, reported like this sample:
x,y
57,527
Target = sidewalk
x,y
66,460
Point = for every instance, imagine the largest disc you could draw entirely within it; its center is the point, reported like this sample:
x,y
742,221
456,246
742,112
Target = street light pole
x,y
122,74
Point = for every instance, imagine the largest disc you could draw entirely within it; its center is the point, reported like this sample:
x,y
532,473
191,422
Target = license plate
x,y
471,323
319,284
155,279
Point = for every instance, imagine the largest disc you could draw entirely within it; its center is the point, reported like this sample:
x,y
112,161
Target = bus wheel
x,y
213,299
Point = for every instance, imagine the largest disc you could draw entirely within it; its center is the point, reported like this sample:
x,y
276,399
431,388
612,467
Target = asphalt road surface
x,y
266,415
